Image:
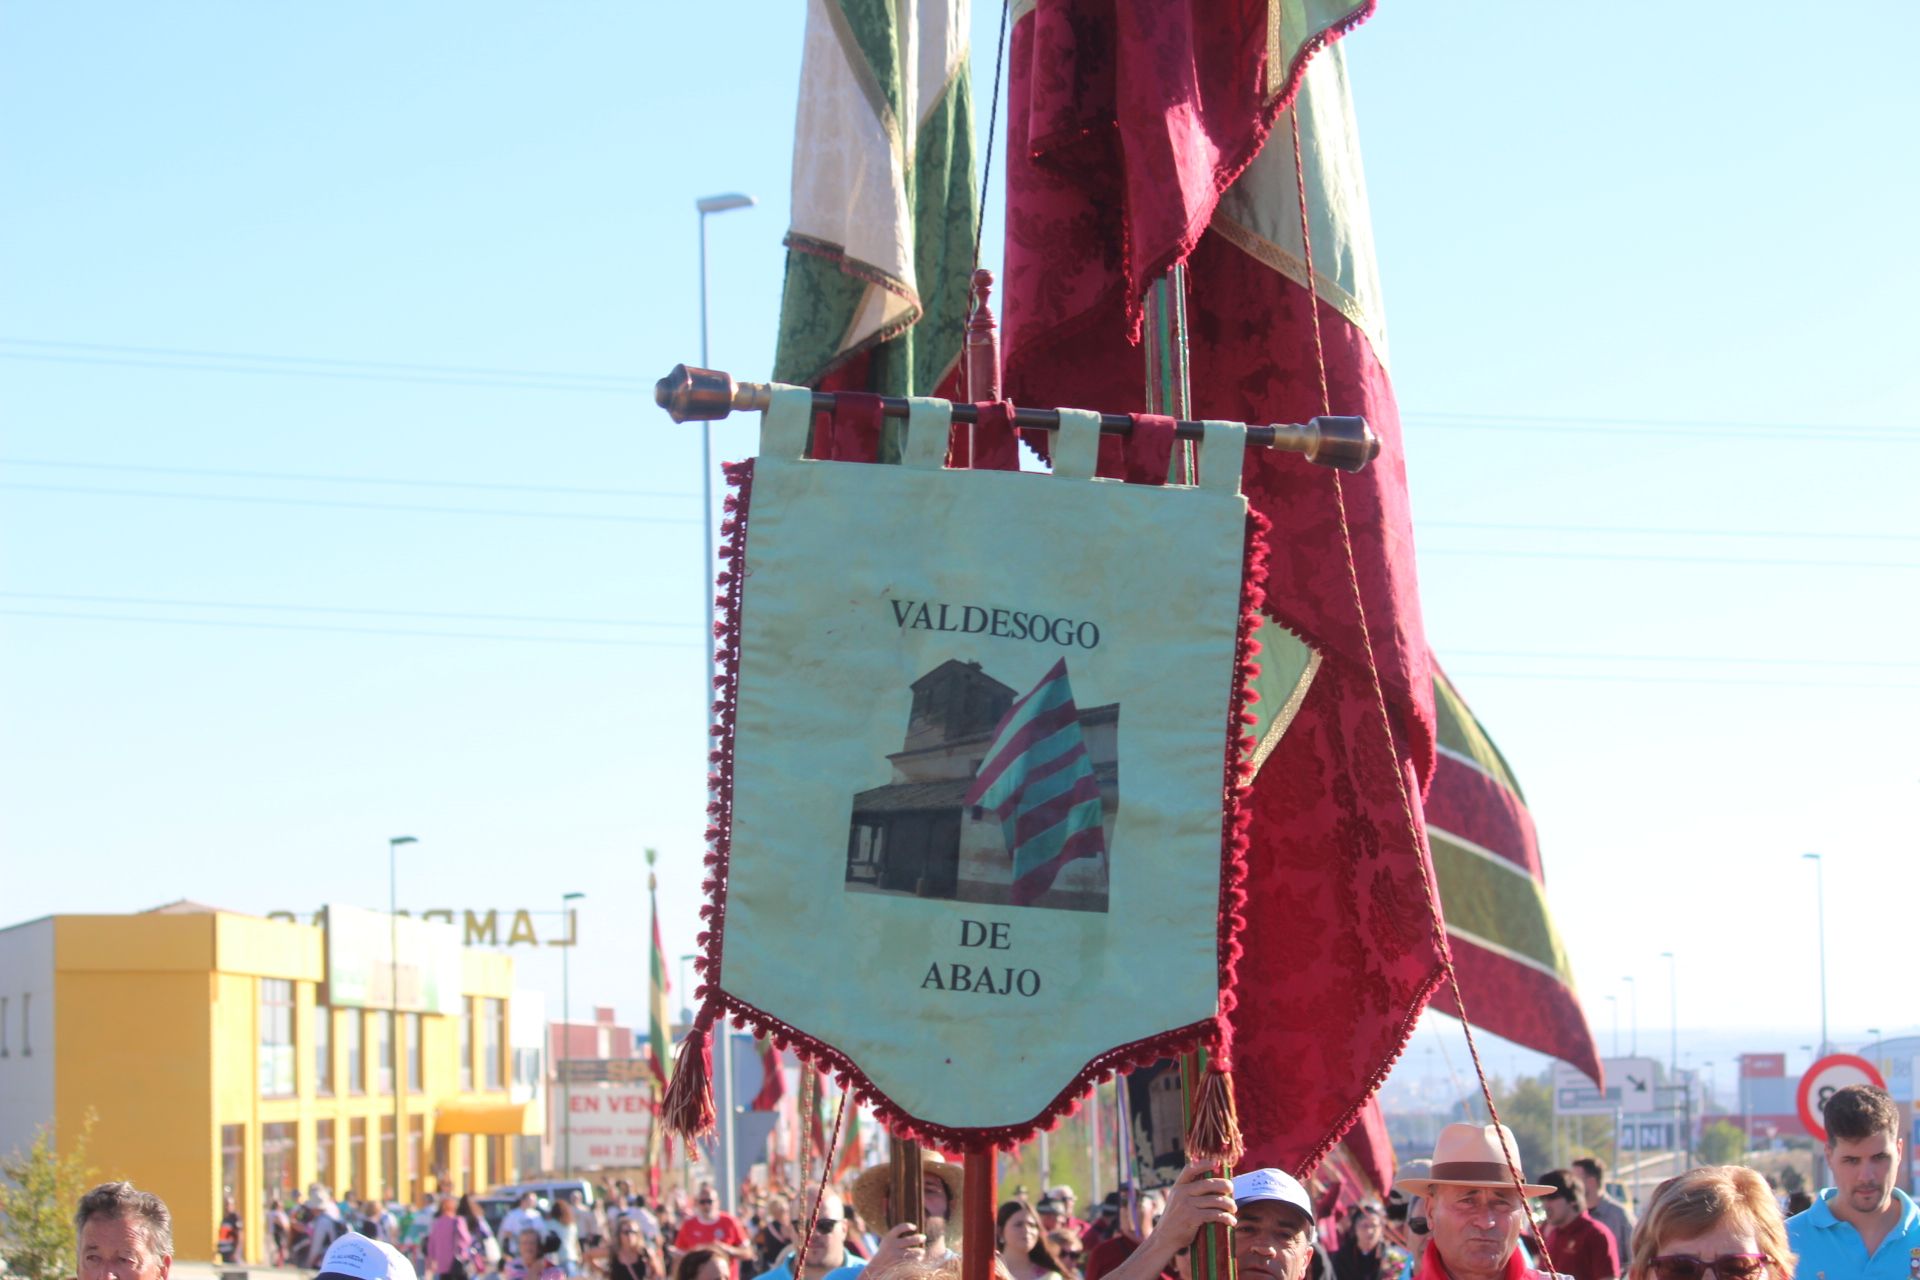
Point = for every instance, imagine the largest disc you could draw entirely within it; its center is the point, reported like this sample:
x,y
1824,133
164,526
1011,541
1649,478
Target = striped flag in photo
x,y
1038,781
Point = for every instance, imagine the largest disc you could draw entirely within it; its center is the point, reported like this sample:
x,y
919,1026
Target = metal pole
x,y
1820,899
707,205
394,1051
1633,1015
566,1032
1615,1002
1673,1050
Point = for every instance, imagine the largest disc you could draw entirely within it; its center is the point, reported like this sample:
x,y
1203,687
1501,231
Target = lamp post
x,y
686,992
1633,1014
393,989
1820,903
1683,1136
1614,1001
710,205
566,1032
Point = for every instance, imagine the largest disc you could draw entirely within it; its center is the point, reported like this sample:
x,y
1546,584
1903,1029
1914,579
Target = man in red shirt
x,y
709,1228
1135,1226
1579,1246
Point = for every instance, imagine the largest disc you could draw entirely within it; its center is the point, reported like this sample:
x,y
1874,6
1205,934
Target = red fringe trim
x,y
1210,1033
1214,1134
688,1107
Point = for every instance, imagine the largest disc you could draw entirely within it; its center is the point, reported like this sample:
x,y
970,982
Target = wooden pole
x,y
981,1170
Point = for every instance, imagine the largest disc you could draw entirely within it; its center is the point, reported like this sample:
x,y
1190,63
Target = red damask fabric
x,y
1339,952
1144,112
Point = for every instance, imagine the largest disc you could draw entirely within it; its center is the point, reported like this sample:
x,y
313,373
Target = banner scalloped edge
x,y
688,1108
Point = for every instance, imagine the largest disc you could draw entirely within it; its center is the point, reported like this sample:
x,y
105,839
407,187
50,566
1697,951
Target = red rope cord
x,y
1434,917
826,1169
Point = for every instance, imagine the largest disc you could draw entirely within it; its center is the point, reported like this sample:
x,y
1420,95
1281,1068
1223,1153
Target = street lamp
x,y
1820,899
1633,1013
710,205
566,1031
686,992
393,989
1683,1134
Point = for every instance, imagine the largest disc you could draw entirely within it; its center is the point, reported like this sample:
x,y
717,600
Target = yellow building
x,y
221,1051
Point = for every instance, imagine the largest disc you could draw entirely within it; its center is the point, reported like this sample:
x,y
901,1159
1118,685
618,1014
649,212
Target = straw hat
x,y
1472,1155
870,1190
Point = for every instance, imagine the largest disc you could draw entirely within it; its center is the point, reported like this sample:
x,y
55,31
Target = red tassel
x,y
1214,1135
687,1109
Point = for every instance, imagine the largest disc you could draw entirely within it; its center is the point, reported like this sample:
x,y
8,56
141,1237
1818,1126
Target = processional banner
x,y
976,816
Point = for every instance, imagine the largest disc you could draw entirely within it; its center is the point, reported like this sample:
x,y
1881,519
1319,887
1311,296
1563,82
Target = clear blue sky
x,y
1649,275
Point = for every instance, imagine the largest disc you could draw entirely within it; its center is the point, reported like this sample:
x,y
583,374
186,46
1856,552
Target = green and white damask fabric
x,y
880,248
978,749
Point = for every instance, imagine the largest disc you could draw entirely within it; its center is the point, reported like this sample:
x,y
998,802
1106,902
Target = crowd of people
x,y
1465,1214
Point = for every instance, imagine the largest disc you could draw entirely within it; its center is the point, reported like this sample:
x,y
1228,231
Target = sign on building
x,y
608,1125
363,968
1631,1088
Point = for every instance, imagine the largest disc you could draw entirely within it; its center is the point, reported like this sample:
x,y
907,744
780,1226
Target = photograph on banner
x,y
995,796
1157,1124
940,674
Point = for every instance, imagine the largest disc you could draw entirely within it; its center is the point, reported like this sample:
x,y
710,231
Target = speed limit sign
x,y
1835,1071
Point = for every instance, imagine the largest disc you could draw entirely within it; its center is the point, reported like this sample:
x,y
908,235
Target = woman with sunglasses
x,y
627,1256
1720,1219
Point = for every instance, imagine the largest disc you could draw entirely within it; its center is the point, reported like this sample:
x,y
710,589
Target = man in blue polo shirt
x,y
1863,1227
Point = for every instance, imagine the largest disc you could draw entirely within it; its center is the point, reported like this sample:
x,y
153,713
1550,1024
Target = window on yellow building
x,y
233,1162
276,1038
356,1152
323,1052
323,1158
415,1051
416,1158
465,1034
493,1026
355,1026
383,1050
279,1160
389,1172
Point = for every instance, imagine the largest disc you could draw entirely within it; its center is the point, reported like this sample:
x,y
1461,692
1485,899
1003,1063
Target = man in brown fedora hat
x,y
1475,1210
941,1187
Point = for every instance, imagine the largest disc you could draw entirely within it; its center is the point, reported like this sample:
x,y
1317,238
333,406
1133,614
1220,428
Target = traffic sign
x,y
1630,1088
1835,1071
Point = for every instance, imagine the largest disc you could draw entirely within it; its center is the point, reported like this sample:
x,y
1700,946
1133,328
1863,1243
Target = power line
x,y
1679,657
513,513
626,379
1504,553
1527,421
1518,527
224,624
306,477
172,602
1608,678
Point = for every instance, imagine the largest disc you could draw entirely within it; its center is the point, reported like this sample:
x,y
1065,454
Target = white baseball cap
x,y
1272,1184
355,1257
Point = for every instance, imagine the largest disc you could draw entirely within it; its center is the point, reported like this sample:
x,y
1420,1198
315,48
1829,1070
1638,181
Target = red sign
x,y
1823,1078
1763,1066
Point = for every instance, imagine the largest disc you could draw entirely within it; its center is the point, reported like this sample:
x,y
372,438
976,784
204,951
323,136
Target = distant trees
x,y
1722,1143
38,1195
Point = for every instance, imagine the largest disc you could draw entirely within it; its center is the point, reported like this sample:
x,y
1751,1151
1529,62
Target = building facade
x,y
218,1054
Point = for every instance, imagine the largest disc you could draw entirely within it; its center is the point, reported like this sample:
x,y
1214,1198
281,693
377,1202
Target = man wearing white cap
x,y
1270,1212
1476,1206
355,1257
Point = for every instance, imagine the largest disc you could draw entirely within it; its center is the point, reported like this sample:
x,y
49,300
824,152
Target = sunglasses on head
x,y
1728,1266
